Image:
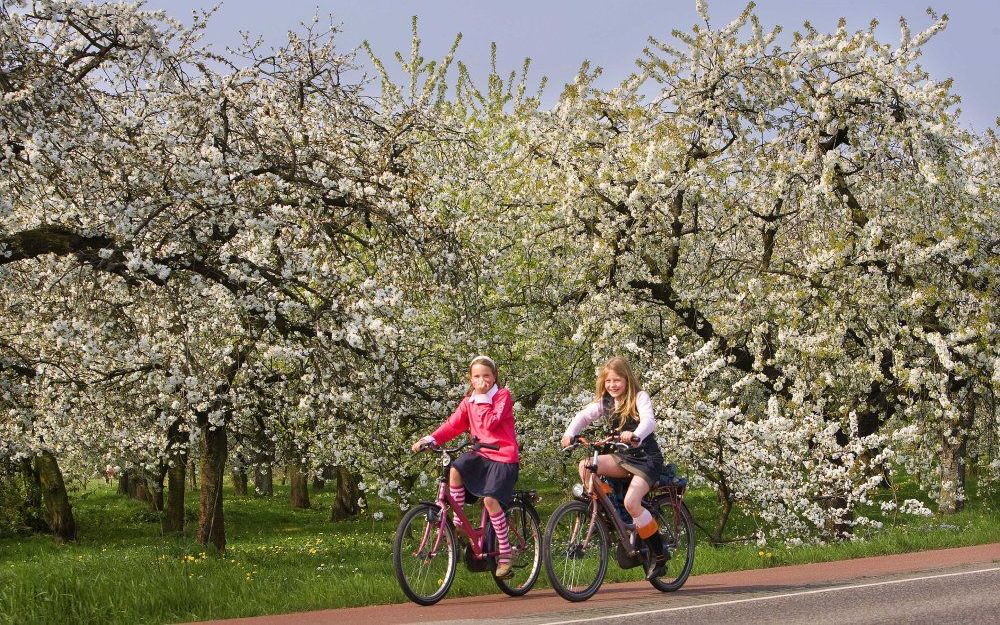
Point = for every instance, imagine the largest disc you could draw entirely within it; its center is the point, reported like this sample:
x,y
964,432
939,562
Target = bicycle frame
x,y
446,504
426,547
600,501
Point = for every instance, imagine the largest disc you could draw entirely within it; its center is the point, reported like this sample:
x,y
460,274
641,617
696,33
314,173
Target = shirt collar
x,y
489,394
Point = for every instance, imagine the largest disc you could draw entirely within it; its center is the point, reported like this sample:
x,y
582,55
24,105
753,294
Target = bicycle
x,y
425,550
576,542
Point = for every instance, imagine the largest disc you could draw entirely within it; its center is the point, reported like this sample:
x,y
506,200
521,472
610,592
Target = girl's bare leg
x,y
637,489
492,505
606,465
455,478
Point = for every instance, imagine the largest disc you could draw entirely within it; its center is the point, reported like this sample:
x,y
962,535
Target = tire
x,y
525,537
678,542
575,573
424,580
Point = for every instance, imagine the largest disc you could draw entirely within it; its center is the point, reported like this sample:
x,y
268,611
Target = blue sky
x,y
559,34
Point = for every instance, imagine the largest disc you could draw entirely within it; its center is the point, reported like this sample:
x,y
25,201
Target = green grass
x,y
122,570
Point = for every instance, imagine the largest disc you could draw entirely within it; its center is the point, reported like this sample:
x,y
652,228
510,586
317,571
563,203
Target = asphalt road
x,y
960,585
964,595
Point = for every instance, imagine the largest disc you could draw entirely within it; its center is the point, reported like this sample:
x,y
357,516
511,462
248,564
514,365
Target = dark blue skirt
x,y
487,478
645,461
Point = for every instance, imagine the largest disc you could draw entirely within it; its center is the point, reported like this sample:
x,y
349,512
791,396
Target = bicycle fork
x,y
441,512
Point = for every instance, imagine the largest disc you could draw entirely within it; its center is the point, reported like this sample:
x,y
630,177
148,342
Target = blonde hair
x,y
627,407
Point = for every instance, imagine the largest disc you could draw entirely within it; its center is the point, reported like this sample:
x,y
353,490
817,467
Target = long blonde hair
x,y
627,407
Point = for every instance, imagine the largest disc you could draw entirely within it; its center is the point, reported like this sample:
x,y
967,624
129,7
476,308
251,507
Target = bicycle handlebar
x,y
454,450
611,441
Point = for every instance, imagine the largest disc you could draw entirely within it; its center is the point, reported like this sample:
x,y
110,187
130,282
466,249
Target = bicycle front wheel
x,y
677,534
575,555
525,536
424,554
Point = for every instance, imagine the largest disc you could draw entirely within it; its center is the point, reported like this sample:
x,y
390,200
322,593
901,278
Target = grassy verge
x,y
279,560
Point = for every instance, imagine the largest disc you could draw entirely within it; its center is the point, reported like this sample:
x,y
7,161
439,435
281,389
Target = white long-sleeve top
x,y
592,411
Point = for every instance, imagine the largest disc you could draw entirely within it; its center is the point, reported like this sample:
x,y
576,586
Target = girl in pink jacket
x,y
487,413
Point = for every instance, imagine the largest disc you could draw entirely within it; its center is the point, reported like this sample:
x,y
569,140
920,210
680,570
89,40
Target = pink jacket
x,y
490,418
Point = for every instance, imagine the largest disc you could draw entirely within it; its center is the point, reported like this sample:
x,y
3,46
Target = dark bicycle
x,y
576,543
425,550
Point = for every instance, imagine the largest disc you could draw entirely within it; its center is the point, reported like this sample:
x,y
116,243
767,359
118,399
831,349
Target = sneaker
x,y
505,569
657,567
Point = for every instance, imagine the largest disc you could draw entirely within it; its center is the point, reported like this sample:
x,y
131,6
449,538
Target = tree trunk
x,y
173,513
33,487
211,520
318,482
154,490
239,477
139,490
843,527
135,483
263,479
300,486
57,506
725,498
954,441
34,515
132,485
124,485
345,505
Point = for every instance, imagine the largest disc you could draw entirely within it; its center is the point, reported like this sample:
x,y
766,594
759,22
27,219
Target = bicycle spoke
x,y
524,536
424,572
576,551
677,534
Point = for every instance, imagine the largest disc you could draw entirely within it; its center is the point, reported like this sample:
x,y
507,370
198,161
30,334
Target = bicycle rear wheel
x,y
574,562
678,542
525,537
424,554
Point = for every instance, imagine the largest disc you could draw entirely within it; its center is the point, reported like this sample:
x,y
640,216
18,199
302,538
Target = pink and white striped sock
x,y
499,521
458,494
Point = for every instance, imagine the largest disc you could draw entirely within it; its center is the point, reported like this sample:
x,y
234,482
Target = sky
x,y
559,34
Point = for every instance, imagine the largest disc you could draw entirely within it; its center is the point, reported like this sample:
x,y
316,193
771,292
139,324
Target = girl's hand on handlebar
x,y
566,441
629,438
420,444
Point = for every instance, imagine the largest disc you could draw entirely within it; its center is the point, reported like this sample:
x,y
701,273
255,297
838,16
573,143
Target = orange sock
x,y
645,525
